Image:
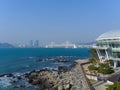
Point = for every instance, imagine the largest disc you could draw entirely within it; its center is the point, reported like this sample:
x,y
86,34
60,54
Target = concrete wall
x,y
91,77
109,82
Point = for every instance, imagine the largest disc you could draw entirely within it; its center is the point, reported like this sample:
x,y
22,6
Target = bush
x,y
92,67
104,68
92,60
111,62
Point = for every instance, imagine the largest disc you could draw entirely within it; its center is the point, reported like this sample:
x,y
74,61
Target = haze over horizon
x,y
58,21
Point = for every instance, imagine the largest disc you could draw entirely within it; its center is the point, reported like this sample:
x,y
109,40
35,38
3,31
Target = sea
x,y
19,61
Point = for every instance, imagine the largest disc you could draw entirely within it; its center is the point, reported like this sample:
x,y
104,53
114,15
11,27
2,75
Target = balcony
x,y
100,47
116,49
113,58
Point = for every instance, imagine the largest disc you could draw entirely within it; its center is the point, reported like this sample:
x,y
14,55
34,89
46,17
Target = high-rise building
x,y
34,43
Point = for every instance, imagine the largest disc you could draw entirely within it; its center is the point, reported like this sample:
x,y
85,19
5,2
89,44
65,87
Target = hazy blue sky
x,y
57,20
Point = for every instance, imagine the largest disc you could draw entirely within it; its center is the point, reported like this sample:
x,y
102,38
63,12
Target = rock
x,y
7,75
62,68
45,79
53,80
67,86
60,87
30,80
74,88
60,60
35,82
19,77
33,75
10,75
22,86
14,81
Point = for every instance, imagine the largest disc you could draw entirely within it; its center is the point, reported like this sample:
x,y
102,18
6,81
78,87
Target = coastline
x,y
65,78
73,79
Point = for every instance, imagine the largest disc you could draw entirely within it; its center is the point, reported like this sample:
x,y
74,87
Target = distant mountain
x,y
6,45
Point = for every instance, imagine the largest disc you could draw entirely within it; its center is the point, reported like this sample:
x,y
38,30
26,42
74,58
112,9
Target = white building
x,y
108,47
63,45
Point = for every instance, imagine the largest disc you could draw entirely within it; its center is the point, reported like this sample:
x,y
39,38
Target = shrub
x,y
92,67
104,68
92,60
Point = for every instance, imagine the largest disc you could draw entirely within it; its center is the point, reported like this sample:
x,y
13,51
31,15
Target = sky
x,y
77,21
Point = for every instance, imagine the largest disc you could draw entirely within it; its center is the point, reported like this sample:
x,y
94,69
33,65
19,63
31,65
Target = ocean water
x,y
22,60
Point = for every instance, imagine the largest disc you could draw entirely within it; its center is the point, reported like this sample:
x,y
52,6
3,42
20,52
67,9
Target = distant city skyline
x,y
35,44
57,20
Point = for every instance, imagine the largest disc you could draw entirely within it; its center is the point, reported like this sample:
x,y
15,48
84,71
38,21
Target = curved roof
x,y
110,35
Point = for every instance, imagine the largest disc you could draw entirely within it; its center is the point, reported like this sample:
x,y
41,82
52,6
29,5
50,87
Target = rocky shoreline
x,y
64,79
73,79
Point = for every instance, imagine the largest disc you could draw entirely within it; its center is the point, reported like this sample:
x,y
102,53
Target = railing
x,y
116,49
116,59
90,86
100,47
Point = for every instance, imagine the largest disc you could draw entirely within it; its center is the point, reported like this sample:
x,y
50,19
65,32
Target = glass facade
x,y
112,45
108,47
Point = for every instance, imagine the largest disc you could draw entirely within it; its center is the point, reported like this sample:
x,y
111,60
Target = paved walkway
x,y
96,84
101,86
77,78
83,78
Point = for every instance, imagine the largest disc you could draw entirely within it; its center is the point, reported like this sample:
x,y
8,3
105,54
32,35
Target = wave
x,y
5,82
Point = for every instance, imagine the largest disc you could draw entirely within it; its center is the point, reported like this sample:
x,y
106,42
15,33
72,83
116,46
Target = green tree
x,y
93,53
115,86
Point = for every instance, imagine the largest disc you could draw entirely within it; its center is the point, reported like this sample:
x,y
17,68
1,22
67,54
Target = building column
x,y
98,53
115,64
107,54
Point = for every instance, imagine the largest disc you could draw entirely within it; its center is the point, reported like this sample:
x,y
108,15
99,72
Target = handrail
x,y
88,82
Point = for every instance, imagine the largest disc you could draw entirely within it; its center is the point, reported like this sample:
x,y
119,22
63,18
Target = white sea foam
x,y
5,81
18,74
